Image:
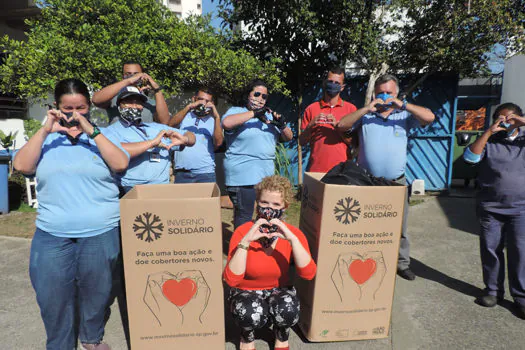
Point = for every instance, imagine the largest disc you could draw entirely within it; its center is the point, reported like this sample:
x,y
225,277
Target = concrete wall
x,y
514,81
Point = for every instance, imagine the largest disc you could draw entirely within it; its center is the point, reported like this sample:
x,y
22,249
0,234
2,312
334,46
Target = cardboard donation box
x,y
172,252
354,234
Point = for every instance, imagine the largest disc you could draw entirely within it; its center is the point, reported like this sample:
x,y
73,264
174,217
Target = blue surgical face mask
x,y
332,89
384,96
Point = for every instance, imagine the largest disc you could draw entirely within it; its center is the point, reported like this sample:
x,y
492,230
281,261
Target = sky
x,y
211,7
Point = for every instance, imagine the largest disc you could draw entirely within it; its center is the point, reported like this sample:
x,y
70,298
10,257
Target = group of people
x,y
82,171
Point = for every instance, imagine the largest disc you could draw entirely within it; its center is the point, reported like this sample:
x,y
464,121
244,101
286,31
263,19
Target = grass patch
x,y
414,202
25,208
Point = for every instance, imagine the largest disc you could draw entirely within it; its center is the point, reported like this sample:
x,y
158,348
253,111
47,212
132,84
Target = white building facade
x,y
183,8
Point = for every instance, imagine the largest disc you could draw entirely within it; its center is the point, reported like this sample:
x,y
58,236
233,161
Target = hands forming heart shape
x,y
175,139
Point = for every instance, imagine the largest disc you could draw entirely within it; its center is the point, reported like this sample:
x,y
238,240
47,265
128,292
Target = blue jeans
x,y
73,281
187,177
243,199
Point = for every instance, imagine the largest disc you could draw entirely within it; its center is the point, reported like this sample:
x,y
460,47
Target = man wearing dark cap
x,y
148,144
155,109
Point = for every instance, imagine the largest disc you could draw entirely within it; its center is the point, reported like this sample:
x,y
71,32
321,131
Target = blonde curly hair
x,y
276,183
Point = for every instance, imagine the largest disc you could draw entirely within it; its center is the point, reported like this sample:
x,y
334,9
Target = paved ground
x,y
436,311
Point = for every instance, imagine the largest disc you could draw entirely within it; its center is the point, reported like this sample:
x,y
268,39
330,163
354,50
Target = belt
x,y
182,171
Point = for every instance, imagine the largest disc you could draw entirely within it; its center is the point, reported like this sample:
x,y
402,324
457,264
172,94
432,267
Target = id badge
x,y
154,157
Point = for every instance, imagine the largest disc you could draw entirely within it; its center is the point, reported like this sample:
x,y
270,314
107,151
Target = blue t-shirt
x,y
383,143
500,181
150,167
78,194
251,150
200,158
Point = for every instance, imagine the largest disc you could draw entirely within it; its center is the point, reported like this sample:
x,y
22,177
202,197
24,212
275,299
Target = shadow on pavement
x,y
429,273
460,210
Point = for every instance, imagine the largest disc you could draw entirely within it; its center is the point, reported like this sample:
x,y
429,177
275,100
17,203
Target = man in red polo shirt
x,y
328,146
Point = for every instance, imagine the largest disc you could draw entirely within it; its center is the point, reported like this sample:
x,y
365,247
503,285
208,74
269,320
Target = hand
x,y
51,124
278,121
196,306
214,112
261,115
396,103
518,121
84,124
150,82
177,139
284,232
195,104
165,311
136,79
254,233
372,105
495,128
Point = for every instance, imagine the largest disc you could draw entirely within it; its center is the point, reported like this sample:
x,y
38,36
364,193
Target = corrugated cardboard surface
x,y
354,234
172,252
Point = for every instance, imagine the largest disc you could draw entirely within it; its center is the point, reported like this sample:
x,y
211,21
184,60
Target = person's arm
x,y
26,159
116,159
472,153
422,114
177,139
179,116
347,122
301,256
234,120
286,134
102,98
218,136
162,114
237,263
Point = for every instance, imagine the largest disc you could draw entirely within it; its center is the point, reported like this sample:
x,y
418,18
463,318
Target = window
x,y
199,6
175,2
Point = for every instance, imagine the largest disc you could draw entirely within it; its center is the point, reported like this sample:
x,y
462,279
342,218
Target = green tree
x,y
90,39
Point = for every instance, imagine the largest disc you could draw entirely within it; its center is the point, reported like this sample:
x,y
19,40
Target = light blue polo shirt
x,y
78,194
251,150
199,159
383,143
150,167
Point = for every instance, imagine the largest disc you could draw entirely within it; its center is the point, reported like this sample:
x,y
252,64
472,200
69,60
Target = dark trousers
x,y
498,230
243,199
253,309
403,261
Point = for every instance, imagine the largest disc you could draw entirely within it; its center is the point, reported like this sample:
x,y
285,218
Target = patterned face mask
x,y
268,214
71,123
201,111
131,116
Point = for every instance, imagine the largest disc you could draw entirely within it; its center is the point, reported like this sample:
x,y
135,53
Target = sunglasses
x,y
258,93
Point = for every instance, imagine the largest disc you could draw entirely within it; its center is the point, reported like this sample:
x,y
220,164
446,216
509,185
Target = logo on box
x,y
347,210
147,228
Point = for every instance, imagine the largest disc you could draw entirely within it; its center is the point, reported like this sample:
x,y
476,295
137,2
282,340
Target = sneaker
x,y
520,310
407,274
98,346
488,300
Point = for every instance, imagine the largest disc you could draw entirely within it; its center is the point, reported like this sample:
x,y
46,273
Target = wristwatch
x,y
156,90
96,132
243,246
404,106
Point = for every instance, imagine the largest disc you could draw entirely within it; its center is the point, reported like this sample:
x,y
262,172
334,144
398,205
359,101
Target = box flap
x,y
174,191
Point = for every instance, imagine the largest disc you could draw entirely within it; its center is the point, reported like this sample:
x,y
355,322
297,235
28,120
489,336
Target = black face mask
x,y
332,89
268,214
69,124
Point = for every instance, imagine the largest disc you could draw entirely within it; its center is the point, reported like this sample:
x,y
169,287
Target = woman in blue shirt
x,y
251,133
500,152
76,244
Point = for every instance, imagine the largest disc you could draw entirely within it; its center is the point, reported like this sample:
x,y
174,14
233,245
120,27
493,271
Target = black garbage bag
x,y
349,173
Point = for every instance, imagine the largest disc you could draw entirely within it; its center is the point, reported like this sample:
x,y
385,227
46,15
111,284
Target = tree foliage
x,y
90,39
405,36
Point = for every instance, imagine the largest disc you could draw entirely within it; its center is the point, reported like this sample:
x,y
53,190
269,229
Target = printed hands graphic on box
x,y
172,298
359,276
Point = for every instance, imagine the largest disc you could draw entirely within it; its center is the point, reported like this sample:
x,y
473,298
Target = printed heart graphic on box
x,y
179,292
362,270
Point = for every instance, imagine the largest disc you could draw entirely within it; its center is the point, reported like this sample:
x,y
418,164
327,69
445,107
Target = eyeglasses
x,y
258,93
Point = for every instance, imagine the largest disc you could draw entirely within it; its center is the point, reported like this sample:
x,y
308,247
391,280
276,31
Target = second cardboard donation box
x,y
354,234
172,252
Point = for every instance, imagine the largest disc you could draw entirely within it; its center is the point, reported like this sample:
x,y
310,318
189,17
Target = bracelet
x,y
96,132
156,90
404,106
243,246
